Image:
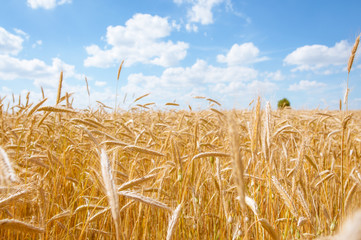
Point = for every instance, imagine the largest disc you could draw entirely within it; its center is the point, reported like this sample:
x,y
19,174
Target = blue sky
x,y
228,50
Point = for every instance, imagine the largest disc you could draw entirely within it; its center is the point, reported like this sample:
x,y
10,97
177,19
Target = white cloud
x,y
37,43
34,69
199,79
37,70
100,83
21,32
241,54
201,11
176,25
315,57
276,76
304,85
46,4
139,41
191,27
229,7
10,43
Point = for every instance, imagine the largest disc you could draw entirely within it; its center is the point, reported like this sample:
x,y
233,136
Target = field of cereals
x,y
176,174
262,173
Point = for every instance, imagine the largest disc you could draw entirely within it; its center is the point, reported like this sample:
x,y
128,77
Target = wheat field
x,y
69,173
176,174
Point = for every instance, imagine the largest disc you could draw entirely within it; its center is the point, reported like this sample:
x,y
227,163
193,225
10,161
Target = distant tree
x,y
283,103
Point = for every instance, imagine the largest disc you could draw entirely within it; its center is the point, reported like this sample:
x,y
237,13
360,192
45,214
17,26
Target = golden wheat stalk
x,y
269,228
214,101
136,182
20,226
13,198
353,53
87,207
143,96
144,199
238,169
210,154
114,143
59,216
349,66
110,190
217,111
171,104
36,107
251,203
86,122
256,128
116,90
173,222
285,196
56,109
134,148
7,173
59,88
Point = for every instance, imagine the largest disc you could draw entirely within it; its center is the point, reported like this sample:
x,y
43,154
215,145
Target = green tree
x,y
283,103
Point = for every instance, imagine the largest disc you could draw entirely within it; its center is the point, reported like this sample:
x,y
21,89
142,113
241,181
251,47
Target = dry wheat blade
x,y
210,154
110,190
144,199
20,226
238,168
7,173
173,222
13,197
285,196
136,182
56,109
269,228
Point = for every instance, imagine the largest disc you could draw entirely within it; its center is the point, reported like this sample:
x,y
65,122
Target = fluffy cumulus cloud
x,y
10,43
315,57
199,79
305,85
12,67
241,54
141,40
200,11
46,4
275,76
37,70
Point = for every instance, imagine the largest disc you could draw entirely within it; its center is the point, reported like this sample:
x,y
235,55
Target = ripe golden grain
x,y
353,53
210,154
269,228
59,88
20,226
144,199
56,109
110,190
173,222
165,157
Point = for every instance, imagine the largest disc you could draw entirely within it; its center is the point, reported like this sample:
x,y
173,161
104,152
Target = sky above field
x,y
227,50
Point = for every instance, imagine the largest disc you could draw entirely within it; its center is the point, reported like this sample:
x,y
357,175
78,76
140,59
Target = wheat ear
x,y
238,168
20,226
59,88
7,171
110,190
173,222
